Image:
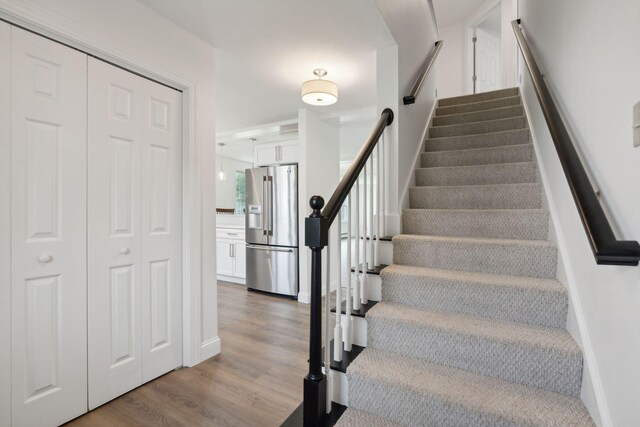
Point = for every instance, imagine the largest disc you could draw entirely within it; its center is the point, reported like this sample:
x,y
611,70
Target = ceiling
x,y
453,11
265,49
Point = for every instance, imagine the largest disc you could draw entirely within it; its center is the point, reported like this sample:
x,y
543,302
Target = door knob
x,y
44,259
124,251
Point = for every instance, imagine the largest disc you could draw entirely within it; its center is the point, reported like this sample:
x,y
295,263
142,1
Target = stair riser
x,y
493,301
478,128
478,97
514,224
478,106
500,139
478,116
506,173
555,371
515,260
488,156
520,196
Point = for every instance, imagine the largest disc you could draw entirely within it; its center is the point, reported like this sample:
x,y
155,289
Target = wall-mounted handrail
x,y
607,249
317,238
426,67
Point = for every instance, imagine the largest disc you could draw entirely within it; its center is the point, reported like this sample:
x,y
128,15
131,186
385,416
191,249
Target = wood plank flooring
x,y
256,381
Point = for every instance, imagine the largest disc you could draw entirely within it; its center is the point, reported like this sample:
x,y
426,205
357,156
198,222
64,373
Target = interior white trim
x,y
5,226
198,180
587,346
210,348
404,200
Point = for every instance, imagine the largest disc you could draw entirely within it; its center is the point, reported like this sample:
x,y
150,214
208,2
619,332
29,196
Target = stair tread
x,y
501,173
353,417
483,166
479,150
479,278
492,329
472,137
483,96
533,300
362,312
470,113
443,395
533,258
476,240
504,119
509,101
529,224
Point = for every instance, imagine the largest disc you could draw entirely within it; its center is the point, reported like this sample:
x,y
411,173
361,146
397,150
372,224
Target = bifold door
x,y
90,222
48,231
134,231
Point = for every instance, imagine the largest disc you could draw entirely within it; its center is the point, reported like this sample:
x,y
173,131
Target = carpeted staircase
x,y
471,327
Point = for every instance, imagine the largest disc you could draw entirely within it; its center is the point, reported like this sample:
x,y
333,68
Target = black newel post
x,y
315,384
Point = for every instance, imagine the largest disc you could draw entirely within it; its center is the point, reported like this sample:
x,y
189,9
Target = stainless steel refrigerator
x,y
272,229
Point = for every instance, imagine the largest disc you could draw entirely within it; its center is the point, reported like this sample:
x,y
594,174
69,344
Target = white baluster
x,y
348,321
337,331
372,230
356,288
327,327
365,260
383,218
376,248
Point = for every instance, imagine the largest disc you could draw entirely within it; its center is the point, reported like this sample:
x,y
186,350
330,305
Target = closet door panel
x,y
48,243
161,230
115,299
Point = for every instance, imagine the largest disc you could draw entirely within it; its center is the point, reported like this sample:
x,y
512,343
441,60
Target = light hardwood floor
x,y
256,381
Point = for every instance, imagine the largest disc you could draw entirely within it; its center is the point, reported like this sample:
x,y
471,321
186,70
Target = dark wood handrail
x,y
607,249
426,67
332,209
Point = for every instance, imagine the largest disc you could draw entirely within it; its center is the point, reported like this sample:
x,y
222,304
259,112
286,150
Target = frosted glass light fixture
x,y
222,175
319,92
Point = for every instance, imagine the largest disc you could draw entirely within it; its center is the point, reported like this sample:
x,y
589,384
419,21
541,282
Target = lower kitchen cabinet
x,y
231,255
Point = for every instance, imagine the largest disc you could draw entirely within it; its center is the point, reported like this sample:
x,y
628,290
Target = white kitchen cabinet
x,y
230,255
276,153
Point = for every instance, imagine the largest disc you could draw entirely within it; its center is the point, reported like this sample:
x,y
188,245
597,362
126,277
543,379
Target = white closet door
x,y
48,208
134,231
115,297
161,230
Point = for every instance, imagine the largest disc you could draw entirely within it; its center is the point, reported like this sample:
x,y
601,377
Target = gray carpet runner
x,y
471,327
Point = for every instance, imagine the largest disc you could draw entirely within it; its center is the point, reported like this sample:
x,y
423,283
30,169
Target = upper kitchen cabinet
x,y
276,153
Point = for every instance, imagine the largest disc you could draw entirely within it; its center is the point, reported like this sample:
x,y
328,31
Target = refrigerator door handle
x,y
271,204
265,207
270,249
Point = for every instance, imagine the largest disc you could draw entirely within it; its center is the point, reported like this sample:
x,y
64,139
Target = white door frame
x,y
508,51
198,151
469,26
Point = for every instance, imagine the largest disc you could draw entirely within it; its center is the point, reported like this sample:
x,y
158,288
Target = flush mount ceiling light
x,y
222,175
318,91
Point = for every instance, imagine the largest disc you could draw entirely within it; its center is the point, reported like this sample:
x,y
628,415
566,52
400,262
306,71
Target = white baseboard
x,y
210,348
232,279
404,199
304,298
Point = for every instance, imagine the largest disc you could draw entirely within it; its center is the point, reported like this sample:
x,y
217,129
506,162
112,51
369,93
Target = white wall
x,y
226,190
131,35
397,68
449,64
589,54
318,174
